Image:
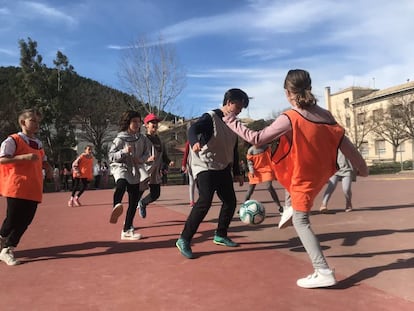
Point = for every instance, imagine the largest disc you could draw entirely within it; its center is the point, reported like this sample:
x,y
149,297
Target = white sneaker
x,y
286,219
116,212
130,235
7,256
318,279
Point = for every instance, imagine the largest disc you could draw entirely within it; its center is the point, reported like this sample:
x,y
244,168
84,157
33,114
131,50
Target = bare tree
x,y
391,128
357,123
151,72
404,105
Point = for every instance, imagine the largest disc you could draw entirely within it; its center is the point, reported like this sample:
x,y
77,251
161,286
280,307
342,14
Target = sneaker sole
x,y
286,224
131,238
116,212
15,263
224,244
326,284
323,210
179,248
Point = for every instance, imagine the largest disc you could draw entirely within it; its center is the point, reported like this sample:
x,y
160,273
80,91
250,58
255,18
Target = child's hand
x,y
196,147
127,149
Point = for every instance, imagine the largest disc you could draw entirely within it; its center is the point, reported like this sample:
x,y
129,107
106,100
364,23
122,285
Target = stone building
x,y
372,117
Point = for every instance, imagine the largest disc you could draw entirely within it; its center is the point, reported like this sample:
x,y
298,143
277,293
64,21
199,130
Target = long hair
x,y
298,82
126,118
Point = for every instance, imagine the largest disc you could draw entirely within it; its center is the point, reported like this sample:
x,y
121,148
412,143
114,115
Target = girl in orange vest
x,y
82,169
260,171
21,181
304,160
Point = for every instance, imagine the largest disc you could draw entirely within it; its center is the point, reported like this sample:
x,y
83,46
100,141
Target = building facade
x,y
376,120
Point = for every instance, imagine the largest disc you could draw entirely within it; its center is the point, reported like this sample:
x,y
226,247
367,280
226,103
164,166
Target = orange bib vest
x,y
23,179
304,164
85,167
262,168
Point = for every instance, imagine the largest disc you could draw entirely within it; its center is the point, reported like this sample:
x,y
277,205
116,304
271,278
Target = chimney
x,y
328,97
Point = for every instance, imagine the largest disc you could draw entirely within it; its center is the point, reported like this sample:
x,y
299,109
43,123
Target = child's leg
x,y
133,198
249,192
309,240
155,191
120,188
346,188
84,185
75,186
332,182
20,214
273,193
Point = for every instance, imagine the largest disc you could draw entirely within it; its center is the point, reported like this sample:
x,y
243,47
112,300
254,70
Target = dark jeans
x,y
133,197
208,183
20,214
155,192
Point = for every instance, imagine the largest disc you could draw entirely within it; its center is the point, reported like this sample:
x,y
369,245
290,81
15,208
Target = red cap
x,y
151,117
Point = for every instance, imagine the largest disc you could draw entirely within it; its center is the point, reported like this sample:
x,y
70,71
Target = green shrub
x,y
385,168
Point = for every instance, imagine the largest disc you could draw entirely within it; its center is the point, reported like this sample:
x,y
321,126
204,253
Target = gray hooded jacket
x,y
128,165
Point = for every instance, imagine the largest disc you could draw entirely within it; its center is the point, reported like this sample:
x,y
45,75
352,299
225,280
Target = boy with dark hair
x,y
213,157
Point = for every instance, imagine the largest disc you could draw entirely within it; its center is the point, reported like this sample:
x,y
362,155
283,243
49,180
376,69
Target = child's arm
x,y
75,166
20,157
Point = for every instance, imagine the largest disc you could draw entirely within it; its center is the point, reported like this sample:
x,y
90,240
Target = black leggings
x,y
133,197
20,213
83,186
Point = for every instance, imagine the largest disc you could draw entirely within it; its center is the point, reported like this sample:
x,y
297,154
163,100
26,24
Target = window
x,y
361,118
346,102
379,147
363,149
396,111
411,107
348,122
378,115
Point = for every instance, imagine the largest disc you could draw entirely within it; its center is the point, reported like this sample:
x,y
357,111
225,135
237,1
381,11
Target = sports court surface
x,y
73,259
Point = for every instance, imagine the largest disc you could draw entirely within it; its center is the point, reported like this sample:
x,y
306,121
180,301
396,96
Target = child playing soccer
x,y
21,181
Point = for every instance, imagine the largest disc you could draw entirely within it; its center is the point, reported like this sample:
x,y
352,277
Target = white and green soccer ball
x,y
252,212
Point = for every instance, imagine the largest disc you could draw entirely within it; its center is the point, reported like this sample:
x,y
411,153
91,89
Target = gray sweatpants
x,y
346,188
309,240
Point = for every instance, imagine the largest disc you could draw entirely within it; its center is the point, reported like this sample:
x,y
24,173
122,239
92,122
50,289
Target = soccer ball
x,y
252,212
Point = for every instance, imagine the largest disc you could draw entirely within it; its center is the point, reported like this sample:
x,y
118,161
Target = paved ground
x,y
73,258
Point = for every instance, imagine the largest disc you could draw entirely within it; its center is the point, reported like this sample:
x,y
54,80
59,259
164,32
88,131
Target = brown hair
x,y
298,82
27,113
126,118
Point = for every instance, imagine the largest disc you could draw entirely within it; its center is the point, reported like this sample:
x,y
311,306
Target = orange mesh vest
x,y
304,165
262,167
85,167
23,179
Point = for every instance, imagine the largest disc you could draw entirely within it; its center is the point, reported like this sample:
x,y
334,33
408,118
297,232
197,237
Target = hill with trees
x,y
67,102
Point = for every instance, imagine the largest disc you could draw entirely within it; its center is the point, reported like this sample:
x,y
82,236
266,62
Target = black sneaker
x,y
185,248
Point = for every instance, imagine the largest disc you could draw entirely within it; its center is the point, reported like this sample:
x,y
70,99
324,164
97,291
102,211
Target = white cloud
x,y
37,10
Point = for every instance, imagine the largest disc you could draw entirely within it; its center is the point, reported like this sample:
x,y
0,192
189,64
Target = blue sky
x,y
249,44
